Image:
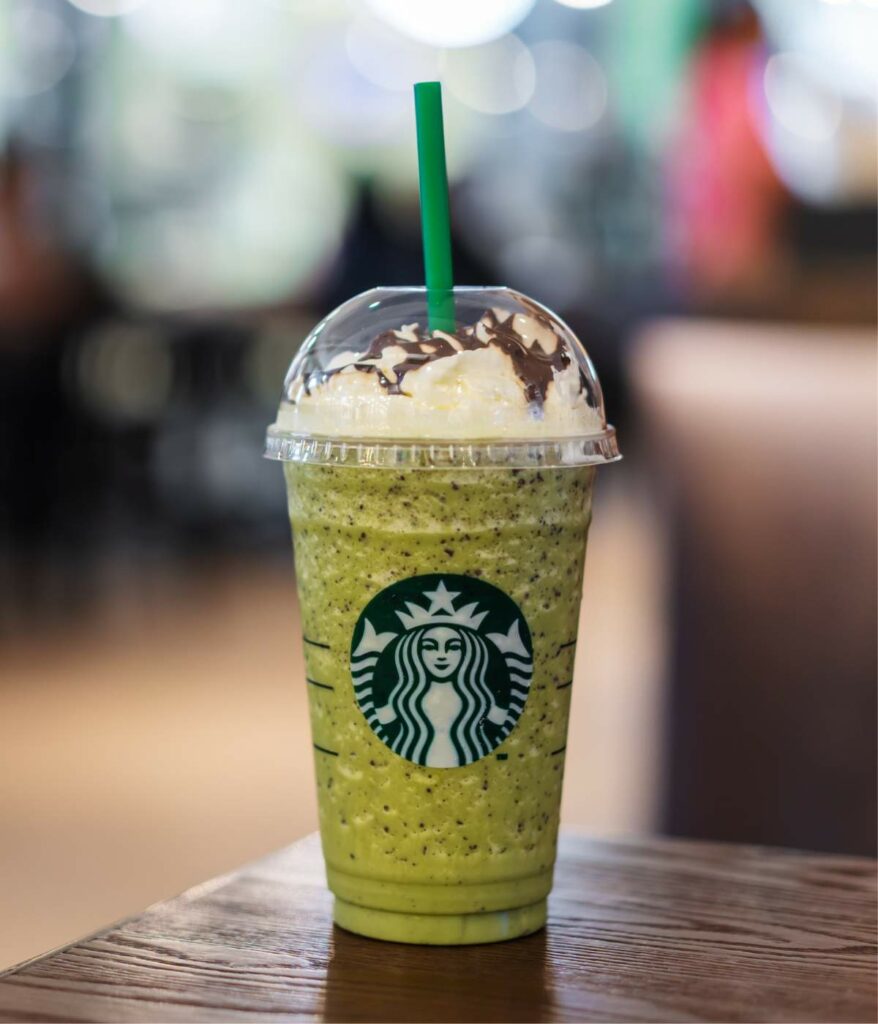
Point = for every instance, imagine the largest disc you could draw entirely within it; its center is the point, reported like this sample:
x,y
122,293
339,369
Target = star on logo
x,y
441,599
441,610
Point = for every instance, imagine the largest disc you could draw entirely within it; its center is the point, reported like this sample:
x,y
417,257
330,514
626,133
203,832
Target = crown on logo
x,y
441,611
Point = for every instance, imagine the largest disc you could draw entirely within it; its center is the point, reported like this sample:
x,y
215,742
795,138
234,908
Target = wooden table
x,y
652,930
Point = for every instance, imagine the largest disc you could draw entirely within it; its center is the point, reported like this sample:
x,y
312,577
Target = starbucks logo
x,y
442,666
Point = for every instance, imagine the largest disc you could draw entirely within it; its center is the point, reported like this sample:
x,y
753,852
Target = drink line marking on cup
x,y
323,750
323,686
316,643
560,750
564,686
570,643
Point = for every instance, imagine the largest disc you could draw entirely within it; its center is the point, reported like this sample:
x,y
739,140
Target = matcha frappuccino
x,y
439,490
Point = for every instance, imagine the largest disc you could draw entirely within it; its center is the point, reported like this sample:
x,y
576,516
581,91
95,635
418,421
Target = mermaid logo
x,y
442,666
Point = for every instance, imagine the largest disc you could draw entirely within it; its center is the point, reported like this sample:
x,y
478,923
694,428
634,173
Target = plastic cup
x,y
439,579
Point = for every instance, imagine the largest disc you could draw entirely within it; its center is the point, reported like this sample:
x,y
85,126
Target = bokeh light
x,y
571,88
496,78
820,153
584,5
316,10
125,372
270,355
800,98
262,237
37,49
388,58
108,8
341,105
819,87
452,22
211,39
841,38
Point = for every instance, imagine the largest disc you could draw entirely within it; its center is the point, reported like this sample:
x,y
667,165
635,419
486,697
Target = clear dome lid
x,y
501,381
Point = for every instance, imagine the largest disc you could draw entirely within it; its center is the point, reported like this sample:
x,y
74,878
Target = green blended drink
x,y
440,580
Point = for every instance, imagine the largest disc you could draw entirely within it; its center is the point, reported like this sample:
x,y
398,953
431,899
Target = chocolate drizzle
x,y
533,366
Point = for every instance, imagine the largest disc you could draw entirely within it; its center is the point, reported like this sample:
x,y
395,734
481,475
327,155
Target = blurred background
x,y
187,187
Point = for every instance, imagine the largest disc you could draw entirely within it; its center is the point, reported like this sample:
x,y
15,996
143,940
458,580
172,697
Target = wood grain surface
x,y
639,931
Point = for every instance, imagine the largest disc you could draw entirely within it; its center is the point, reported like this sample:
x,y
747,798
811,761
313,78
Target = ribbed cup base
x,y
440,929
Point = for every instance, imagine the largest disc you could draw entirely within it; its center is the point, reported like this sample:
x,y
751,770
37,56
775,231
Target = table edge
x,y
211,883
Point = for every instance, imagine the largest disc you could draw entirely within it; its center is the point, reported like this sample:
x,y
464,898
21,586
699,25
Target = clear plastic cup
x,y
439,522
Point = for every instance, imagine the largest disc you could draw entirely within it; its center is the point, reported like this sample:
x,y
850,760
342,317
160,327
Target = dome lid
x,y
511,384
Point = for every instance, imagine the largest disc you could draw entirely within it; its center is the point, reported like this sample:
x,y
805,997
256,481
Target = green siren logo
x,y
442,666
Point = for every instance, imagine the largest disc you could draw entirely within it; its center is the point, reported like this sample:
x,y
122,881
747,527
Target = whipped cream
x,y
509,376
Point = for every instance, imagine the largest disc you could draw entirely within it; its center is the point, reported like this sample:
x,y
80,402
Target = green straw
x,y
435,219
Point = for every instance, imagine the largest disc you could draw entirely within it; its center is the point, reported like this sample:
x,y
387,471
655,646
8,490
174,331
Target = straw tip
x,y
422,88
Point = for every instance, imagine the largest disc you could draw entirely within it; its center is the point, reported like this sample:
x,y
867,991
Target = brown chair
x,y
762,444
